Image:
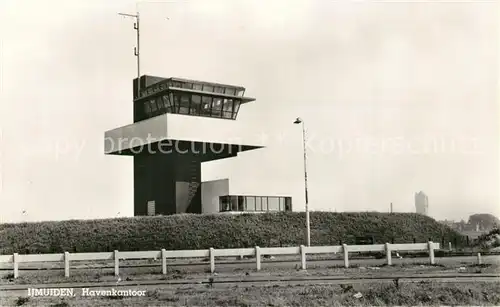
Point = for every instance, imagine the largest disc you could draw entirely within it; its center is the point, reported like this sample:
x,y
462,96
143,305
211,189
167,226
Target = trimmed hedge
x,y
197,231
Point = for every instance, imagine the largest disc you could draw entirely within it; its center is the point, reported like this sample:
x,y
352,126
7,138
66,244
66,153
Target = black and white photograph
x,y
246,153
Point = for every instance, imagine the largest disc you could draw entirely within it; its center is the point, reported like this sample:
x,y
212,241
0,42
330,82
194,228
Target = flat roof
x,y
239,87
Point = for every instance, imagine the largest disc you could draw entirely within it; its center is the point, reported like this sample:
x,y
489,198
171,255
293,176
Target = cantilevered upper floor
x,y
174,112
158,96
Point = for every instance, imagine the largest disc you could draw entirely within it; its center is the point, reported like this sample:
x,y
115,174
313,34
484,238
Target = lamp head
x,y
298,120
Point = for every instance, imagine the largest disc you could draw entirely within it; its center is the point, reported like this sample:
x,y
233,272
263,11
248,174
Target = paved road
x,y
223,283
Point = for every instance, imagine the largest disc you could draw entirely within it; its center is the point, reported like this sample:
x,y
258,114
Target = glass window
x,y
159,103
177,84
219,89
273,203
224,204
236,108
258,203
230,91
250,203
264,203
240,93
187,85
195,104
197,87
206,103
152,103
227,108
147,109
241,203
217,107
184,105
208,88
234,203
288,204
167,103
177,101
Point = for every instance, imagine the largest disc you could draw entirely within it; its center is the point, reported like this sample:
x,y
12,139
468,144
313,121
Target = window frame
x,y
213,110
275,202
195,106
247,202
208,88
265,207
258,203
182,106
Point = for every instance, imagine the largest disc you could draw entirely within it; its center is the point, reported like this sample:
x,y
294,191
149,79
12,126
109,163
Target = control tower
x,y
178,124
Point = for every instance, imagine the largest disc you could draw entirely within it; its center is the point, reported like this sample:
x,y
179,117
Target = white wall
x,y
210,193
213,130
181,127
144,132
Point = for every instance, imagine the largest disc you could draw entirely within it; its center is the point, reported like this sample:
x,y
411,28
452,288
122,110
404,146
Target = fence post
x,y
163,261
117,263
66,264
388,253
479,261
346,255
303,256
257,257
430,246
16,265
212,260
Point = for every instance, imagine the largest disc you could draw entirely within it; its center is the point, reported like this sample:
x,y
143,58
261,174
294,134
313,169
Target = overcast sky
x,y
397,97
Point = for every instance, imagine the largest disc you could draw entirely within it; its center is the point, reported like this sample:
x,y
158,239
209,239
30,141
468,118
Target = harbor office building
x,y
178,125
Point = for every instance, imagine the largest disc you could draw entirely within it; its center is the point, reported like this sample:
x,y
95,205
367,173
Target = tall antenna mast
x,y
137,47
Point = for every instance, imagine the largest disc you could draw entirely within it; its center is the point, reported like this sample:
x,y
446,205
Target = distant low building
x,y
471,230
421,203
451,224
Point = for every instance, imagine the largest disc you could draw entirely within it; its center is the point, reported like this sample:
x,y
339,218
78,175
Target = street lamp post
x,y
308,224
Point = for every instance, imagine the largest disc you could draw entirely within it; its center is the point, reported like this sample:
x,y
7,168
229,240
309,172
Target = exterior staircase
x,y
194,184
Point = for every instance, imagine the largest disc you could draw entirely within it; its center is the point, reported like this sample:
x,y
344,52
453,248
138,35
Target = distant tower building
x,y
421,203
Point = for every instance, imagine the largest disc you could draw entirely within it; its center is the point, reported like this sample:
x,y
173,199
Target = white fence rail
x,y
258,252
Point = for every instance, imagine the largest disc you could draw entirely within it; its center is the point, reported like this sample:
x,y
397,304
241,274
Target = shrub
x,y
198,231
22,300
488,240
